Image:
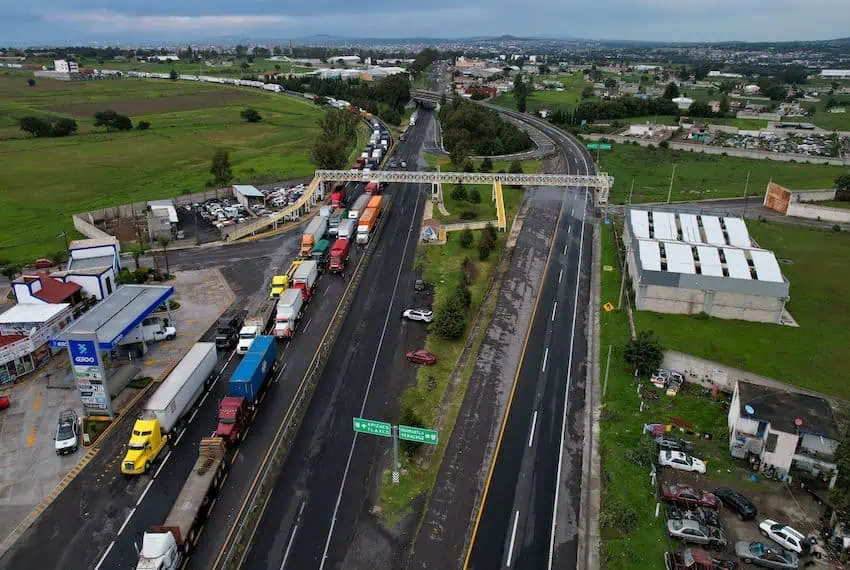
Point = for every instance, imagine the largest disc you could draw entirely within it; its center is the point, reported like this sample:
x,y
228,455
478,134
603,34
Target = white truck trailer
x,y
288,313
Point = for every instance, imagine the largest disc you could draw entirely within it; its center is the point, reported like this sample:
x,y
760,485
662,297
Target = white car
x,y
681,461
783,535
424,315
67,438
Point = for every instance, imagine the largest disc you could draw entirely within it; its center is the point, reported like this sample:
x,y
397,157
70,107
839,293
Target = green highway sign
x,y
373,427
599,146
417,434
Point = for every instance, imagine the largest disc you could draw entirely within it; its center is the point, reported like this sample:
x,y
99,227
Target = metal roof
x,y
690,228
767,269
713,231
82,263
640,223
650,256
664,225
119,313
247,190
680,258
736,229
32,313
737,264
709,261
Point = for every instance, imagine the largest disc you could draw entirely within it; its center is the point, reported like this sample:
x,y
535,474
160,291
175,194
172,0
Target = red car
x,y
4,402
421,357
688,496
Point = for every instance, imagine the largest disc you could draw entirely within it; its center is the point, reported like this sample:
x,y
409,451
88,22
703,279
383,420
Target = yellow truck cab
x,y
145,444
279,285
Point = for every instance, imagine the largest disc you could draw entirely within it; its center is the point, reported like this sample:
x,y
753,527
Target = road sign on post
x,y
373,427
599,146
417,434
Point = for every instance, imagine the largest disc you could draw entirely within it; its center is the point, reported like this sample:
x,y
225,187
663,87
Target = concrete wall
x,y
782,456
717,304
813,195
87,229
823,213
23,293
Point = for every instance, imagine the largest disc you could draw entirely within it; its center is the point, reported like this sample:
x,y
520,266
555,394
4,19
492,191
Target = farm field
x,y
45,180
703,176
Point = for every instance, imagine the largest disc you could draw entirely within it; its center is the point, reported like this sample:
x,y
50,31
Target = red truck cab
x,y
373,187
338,195
233,419
339,255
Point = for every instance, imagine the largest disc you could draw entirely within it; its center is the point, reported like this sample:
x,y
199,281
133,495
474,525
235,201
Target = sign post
x,y
409,433
90,376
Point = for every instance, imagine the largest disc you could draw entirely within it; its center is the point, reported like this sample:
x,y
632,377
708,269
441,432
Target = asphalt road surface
x,y
309,520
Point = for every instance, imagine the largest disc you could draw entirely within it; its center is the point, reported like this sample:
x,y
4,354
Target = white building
x,y
162,219
163,58
725,75
684,103
247,195
25,330
836,73
345,59
786,430
93,264
64,66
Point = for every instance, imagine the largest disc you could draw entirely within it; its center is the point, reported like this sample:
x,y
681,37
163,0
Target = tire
x,y
170,337
747,561
147,466
741,517
763,532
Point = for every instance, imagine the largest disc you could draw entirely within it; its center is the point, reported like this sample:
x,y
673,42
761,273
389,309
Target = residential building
x,y
41,289
25,330
788,431
684,103
65,66
836,73
162,219
93,264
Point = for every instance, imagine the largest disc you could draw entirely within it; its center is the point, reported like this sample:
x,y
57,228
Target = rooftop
x,y
31,313
7,339
782,408
52,291
81,264
96,242
247,190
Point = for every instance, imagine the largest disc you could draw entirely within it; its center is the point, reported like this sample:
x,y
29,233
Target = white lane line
x,y
105,554
179,437
192,417
310,320
565,248
129,516
145,492
545,358
569,229
560,275
572,212
533,426
368,387
567,393
161,465
204,399
289,547
554,310
513,539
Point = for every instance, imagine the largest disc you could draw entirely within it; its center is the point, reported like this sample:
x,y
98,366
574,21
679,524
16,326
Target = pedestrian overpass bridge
x,y
316,191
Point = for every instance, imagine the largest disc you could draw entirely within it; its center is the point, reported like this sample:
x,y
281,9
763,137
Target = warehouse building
x,y
691,263
248,195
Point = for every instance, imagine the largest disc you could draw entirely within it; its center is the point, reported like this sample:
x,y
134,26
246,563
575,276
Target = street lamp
x,y
64,235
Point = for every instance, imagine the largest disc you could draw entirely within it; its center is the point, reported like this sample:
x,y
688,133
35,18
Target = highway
x,y
309,520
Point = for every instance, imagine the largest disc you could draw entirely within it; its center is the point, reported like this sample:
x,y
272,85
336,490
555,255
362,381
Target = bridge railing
x,y
600,181
306,200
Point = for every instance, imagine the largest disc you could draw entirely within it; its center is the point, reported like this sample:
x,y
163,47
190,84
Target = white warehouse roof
x,y
247,190
32,313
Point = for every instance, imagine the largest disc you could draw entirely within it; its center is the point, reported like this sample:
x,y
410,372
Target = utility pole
x,y
197,235
396,469
65,235
623,279
632,189
670,191
746,199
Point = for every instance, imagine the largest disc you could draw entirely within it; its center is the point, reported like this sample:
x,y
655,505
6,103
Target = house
x,y
683,103
789,431
65,66
25,331
93,264
41,289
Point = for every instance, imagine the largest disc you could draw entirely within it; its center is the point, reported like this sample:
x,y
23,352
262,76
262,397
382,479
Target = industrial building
x,y
248,195
162,219
691,263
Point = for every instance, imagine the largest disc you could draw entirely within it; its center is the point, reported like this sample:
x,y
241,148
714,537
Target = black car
x,y
735,501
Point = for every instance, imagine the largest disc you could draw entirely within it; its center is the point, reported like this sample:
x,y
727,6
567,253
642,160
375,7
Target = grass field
x,y
703,175
833,204
833,121
44,181
811,356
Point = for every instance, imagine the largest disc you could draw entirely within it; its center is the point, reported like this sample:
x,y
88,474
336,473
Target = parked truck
x,y
336,217
373,187
316,230
320,253
281,283
366,225
251,376
288,313
306,277
347,230
338,194
174,397
376,203
358,207
227,330
339,255
167,546
152,329
255,325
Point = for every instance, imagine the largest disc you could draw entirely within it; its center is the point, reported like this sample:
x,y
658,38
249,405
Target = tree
x,y
839,496
220,168
458,155
35,126
443,99
671,91
173,75
466,238
10,271
251,115
31,82
587,92
644,353
143,125
123,123
521,104
244,65
474,196
610,84
63,127
699,109
724,105
450,320
163,242
683,73
329,153
112,121
515,167
459,192
486,165
842,188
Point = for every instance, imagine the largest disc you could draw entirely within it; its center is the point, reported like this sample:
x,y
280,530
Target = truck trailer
x,y
321,252
358,207
366,225
373,187
174,397
255,325
288,313
250,377
347,229
316,230
167,546
306,277
333,221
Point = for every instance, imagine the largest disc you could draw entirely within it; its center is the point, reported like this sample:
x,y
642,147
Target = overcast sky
x,y
66,21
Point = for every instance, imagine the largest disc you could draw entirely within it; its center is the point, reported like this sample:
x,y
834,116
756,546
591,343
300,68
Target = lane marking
x,y
235,455
533,426
179,437
513,538
192,417
554,310
569,229
307,324
127,520
572,212
105,554
161,465
207,395
545,358
145,492
369,384
560,275
289,546
565,248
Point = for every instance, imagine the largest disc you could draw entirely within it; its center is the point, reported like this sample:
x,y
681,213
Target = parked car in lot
x,y
696,559
702,515
421,357
693,531
681,461
783,535
687,496
667,441
735,501
43,263
761,554
67,438
423,315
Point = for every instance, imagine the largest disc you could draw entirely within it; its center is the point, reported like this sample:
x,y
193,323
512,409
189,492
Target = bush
x,y
143,125
459,193
617,516
483,251
409,417
463,296
644,353
112,121
836,228
141,275
450,321
468,215
467,270
48,127
251,115
466,238
644,454
664,144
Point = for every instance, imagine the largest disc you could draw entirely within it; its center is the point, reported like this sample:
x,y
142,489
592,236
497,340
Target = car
x,y
696,559
4,402
667,441
67,438
680,460
43,263
698,533
735,501
403,164
688,496
783,535
701,515
424,315
419,285
760,554
392,163
421,357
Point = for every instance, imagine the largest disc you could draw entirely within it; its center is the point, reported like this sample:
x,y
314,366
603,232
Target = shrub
x,y
251,115
644,353
644,454
450,321
483,252
616,515
143,125
836,228
468,215
459,193
664,144
463,296
409,417
466,238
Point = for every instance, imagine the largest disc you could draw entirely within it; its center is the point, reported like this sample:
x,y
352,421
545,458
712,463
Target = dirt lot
x,y
165,104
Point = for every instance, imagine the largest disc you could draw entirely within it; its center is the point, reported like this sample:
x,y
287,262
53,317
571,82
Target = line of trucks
x,y
376,149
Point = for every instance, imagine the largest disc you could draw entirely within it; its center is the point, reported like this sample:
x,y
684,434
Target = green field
x,y
44,181
703,176
833,121
811,356
833,204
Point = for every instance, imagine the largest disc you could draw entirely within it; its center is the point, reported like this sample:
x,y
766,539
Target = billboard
x,y
777,198
83,353
90,376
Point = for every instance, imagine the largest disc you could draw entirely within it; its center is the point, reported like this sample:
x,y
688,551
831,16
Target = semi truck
x,y
376,203
321,252
373,187
347,229
316,230
174,397
251,376
255,325
306,277
281,283
338,194
288,313
336,217
358,207
166,547
227,330
339,255
366,225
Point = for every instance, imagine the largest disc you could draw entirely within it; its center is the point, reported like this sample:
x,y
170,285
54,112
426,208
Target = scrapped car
x,y
687,496
735,501
419,285
681,461
67,438
760,554
423,315
783,535
696,559
667,441
702,515
693,531
421,357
